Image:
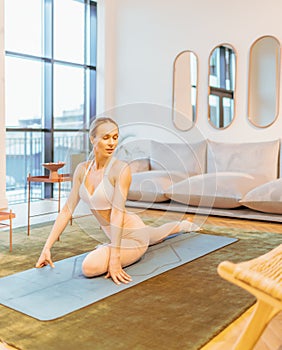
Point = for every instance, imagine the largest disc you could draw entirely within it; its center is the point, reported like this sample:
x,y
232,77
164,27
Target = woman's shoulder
x,y
83,165
120,169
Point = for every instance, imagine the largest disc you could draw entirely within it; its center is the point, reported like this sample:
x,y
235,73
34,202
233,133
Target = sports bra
x,y
102,197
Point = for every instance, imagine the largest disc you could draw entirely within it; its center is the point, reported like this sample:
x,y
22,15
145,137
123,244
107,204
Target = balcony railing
x,y
25,154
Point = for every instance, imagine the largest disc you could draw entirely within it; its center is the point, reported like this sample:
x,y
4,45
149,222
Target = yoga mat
x,y
48,293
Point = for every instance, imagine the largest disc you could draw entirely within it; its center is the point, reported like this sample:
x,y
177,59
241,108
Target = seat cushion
x,y
187,157
216,190
149,186
266,198
257,159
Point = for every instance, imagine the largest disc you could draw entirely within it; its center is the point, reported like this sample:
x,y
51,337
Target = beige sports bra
x,y
102,197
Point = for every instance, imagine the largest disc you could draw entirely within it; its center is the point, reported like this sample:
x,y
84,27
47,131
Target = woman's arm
x,y
122,184
62,219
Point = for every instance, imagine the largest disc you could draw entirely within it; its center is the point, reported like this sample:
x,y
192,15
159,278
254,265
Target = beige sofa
x,y
207,174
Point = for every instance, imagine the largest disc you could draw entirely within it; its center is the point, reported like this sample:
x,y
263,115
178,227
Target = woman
x,y
103,184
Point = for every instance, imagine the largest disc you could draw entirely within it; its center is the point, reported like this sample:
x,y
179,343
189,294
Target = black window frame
x,y
49,61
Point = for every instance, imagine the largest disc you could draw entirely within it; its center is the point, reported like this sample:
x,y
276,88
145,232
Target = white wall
x,y
3,199
146,36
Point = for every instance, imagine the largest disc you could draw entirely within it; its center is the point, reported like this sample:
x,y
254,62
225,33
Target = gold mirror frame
x,y
223,93
184,112
260,117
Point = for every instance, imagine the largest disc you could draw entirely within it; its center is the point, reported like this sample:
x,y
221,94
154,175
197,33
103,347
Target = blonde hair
x,y
94,126
99,121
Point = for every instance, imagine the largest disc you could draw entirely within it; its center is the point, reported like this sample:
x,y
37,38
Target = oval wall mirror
x,y
184,92
222,79
264,80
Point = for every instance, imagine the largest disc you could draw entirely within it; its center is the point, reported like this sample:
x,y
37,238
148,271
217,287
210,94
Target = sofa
x,y
206,174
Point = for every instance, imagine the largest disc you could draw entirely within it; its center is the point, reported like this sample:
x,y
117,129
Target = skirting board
x,y
236,213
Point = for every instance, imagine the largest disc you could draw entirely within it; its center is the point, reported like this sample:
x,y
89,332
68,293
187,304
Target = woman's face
x,y
105,140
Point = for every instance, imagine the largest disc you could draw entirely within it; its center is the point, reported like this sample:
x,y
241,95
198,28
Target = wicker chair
x,y
262,277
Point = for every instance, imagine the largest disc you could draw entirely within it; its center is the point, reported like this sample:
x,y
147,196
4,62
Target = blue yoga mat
x,y
48,293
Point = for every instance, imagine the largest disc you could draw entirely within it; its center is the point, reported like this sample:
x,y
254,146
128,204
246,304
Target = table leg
x,y
28,205
59,200
11,230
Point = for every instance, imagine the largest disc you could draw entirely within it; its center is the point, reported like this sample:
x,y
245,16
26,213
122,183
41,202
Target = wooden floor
x,y
272,336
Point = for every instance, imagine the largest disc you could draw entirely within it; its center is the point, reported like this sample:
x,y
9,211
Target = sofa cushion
x,y
149,186
257,159
216,190
187,157
266,198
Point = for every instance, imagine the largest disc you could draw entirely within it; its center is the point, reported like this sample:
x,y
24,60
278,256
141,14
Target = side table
x,y
43,178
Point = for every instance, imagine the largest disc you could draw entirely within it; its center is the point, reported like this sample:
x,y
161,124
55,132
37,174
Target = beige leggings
x,y
135,240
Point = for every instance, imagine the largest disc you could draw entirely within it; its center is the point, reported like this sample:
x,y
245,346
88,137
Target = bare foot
x,y
188,226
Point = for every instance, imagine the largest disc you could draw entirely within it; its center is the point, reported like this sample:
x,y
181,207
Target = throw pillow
x,y
216,190
266,198
149,186
257,158
183,157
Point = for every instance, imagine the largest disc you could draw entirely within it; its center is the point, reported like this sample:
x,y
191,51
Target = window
x,y
50,66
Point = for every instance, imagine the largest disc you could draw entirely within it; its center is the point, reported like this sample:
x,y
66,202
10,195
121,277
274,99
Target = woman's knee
x,y
88,269
95,263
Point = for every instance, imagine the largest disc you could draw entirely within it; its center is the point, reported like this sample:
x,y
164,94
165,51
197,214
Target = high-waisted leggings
x,y
136,237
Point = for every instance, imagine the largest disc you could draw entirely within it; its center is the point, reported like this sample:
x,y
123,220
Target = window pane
x,y
90,95
23,92
23,26
69,31
91,34
228,110
214,110
68,97
67,144
24,151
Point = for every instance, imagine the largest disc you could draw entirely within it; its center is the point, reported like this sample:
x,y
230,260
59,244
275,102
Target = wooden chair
x,y
8,216
262,277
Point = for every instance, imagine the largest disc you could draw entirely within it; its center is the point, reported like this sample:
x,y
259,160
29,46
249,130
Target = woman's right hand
x,y
116,272
45,259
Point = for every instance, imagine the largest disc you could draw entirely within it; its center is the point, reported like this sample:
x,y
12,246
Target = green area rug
x,y
180,309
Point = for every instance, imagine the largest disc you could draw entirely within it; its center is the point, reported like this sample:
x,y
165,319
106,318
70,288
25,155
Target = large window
x,y
50,66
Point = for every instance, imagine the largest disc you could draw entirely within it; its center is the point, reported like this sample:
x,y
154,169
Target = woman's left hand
x,y
117,274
